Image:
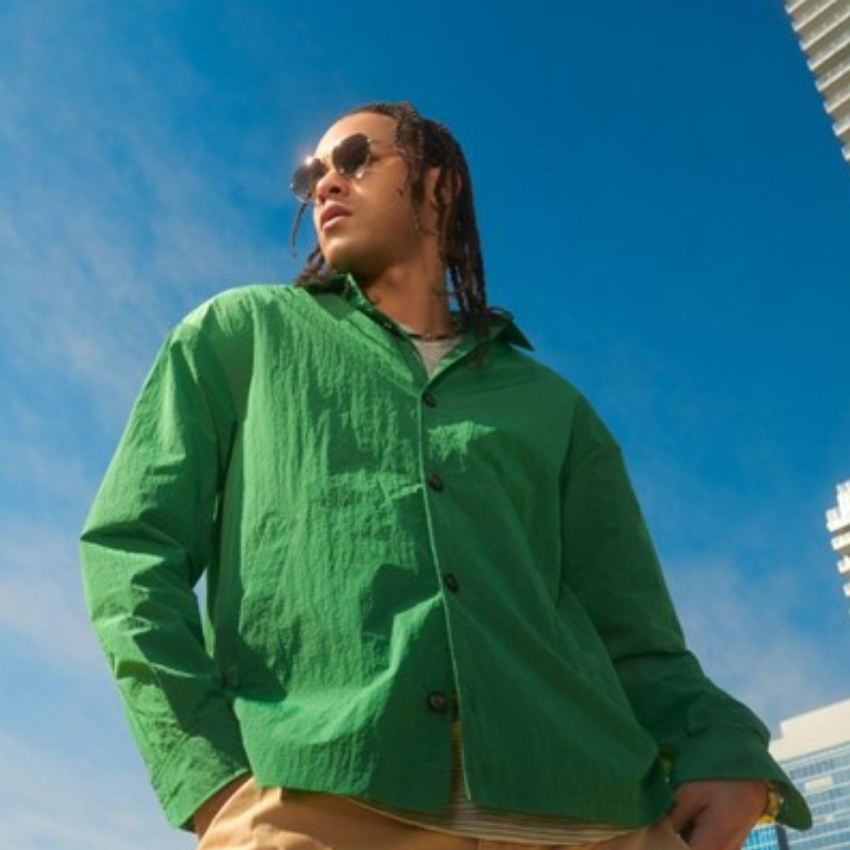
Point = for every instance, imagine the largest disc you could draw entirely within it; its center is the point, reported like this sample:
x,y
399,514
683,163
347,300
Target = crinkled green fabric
x,y
385,552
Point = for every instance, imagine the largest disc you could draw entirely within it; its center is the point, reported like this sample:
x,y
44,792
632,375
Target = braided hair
x,y
425,143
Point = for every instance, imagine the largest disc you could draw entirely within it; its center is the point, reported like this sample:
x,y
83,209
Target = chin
x,y
343,262
337,258
337,263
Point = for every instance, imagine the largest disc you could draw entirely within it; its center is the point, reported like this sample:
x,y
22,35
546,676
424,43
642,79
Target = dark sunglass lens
x,y
351,154
306,177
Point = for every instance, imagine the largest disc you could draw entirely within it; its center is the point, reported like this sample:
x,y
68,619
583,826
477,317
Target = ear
x,y
449,191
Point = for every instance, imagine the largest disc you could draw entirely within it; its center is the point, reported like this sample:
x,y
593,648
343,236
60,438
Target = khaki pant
x,y
255,818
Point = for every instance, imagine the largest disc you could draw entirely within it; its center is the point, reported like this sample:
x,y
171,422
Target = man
x,y
434,615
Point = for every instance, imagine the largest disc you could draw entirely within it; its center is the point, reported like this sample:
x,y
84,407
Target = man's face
x,y
365,222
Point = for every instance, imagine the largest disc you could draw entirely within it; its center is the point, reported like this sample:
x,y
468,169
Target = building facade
x,y
814,749
838,523
823,29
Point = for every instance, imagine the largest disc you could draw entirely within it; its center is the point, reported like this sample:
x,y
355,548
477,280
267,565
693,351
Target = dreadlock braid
x,y
425,143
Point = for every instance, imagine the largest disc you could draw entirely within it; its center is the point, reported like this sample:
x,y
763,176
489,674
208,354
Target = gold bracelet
x,y
775,801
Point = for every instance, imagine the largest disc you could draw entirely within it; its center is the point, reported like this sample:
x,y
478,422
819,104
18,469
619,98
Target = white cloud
x,y
118,212
76,803
41,598
746,630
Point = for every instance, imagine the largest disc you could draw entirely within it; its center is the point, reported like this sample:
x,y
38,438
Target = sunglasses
x,y
350,158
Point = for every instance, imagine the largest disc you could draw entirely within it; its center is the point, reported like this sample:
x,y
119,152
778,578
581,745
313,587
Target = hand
x,y
212,805
718,814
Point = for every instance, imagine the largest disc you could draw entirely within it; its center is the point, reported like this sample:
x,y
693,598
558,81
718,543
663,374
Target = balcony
x,y
840,73
840,100
832,54
824,27
841,543
804,12
837,520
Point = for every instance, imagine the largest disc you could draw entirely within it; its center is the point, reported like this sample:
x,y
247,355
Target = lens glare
x,y
305,178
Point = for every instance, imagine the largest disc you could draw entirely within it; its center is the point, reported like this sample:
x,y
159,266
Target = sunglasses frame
x,y
307,176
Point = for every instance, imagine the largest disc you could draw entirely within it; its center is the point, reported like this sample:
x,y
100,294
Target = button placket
x,y
438,702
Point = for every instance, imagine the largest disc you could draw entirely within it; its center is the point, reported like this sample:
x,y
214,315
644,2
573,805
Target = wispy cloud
x,y
50,800
747,632
75,782
107,225
41,600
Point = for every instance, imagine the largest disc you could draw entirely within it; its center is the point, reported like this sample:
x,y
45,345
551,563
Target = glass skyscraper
x,y
765,837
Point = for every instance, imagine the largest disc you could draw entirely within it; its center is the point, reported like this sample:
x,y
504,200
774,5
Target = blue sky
x,y
663,206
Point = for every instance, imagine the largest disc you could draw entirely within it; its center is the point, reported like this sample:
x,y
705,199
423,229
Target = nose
x,y
330,183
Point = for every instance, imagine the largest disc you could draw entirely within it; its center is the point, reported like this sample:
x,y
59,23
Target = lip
x,y
332,212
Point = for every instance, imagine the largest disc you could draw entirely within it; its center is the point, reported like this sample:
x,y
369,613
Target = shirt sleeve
x,y
611,565
148,538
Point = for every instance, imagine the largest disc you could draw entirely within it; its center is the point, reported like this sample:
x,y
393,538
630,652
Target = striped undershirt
x,y
463,817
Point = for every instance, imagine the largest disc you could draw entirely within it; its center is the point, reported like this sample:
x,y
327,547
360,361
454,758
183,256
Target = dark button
x,y
430,399
451,582
437,702
435,482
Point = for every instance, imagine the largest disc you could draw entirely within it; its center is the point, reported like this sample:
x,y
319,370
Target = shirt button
x,y
451,582
437,702
435,482
430,399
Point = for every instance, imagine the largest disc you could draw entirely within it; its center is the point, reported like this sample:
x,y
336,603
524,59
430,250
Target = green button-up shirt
x,y
385,552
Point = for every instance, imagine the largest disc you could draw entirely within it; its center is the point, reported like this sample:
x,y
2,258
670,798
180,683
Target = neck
x,y
417,301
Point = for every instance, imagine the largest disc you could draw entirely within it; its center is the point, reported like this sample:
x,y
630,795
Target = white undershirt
x,y
432,351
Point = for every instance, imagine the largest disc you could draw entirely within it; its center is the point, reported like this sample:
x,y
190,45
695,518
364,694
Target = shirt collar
x,y
502,322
